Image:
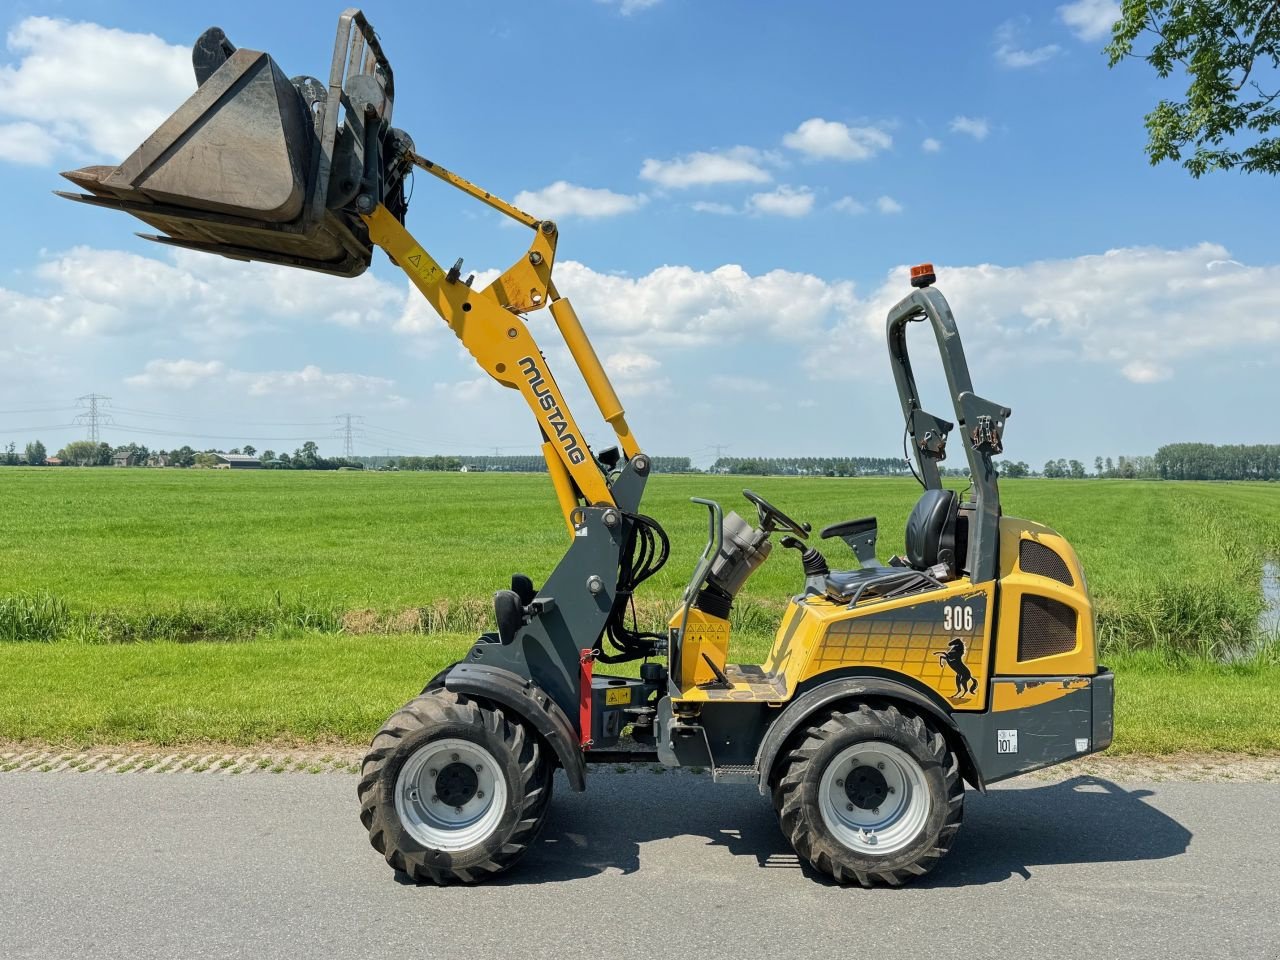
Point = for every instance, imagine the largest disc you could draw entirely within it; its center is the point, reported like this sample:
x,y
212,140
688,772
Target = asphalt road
x,y
643,865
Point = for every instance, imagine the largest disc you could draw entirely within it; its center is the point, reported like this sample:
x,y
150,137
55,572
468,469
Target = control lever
x,y
721,681
516,607
815,566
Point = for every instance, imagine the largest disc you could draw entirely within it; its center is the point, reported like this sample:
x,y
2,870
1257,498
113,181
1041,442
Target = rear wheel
x,y
870,795
453,789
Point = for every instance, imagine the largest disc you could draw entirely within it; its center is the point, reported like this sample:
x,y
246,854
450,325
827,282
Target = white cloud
x,y
628,7
309,383
1144,371
888,205
831,140
784,202
849,205
90,292
1016,59
628,364
177,374
677,307
564,199
91,91
976,127
25,142
1139,311
930,145
1133,315
473,390
735,165
1090,20
707,206
1012,54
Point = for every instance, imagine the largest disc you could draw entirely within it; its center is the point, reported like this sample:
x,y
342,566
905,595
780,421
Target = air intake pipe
x,y
743,550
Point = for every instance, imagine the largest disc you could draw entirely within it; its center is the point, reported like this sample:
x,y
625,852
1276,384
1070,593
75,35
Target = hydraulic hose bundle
x,y
643,555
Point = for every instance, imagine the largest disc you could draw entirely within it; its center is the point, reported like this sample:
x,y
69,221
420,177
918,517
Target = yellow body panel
x,y
1015,583
909,635
904,635
960,641
706,637
1008,694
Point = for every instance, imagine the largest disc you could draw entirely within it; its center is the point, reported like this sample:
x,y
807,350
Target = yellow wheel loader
x,y
967,659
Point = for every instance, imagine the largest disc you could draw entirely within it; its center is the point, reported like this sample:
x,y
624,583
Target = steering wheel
x,y
771,518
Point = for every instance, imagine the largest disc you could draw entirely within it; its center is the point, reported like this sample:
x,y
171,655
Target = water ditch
x,y
1267,633
1269,618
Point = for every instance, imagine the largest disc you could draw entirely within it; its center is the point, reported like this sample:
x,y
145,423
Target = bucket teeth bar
x,y
256,166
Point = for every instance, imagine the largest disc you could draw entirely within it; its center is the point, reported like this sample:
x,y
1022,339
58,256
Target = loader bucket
x,y
256,166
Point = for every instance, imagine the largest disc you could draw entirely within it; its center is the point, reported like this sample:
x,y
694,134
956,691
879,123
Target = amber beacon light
x,y
922,275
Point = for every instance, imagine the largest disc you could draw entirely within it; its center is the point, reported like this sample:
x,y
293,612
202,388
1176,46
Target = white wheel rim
x,y
873,798
450,794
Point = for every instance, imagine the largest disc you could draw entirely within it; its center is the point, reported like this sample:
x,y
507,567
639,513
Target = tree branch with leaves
x,y
1230,52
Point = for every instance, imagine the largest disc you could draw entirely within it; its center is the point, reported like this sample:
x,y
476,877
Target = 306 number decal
x,y
957,617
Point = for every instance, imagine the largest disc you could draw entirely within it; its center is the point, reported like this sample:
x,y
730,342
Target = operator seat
x,y
930,544
931,530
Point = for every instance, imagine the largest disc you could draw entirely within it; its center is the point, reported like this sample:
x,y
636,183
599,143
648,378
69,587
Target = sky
x,y
741,188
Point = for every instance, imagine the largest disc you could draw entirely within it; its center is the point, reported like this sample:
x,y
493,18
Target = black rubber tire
x,y
526,765
799,773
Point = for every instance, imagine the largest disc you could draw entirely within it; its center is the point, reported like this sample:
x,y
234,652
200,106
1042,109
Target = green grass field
x,y
138,554
339,594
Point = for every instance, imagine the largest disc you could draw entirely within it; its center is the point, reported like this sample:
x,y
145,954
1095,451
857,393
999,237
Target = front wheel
x,y
453,790
870,795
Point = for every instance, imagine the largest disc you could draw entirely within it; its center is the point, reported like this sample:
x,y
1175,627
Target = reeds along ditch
x,y
1178,620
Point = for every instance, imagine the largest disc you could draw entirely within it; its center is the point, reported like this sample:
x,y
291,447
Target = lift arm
x,y
257,166
491,325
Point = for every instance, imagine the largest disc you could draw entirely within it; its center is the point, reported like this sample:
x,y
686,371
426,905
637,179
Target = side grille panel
x,y
1037,559
1045,628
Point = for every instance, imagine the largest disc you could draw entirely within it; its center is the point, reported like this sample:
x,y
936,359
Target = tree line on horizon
x,y
1176,461
86,453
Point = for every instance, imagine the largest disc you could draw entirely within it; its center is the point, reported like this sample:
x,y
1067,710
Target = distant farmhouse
x,y
236,461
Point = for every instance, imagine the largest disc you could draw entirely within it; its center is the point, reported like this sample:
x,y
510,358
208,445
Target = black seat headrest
x,y
931,530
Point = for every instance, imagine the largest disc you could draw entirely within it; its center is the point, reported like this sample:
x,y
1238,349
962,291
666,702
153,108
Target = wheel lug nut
x,y
479,768
454,758
457,809
879,766
839,783
431,773
891,790
435,799
413,795
480,793
849,807
875,809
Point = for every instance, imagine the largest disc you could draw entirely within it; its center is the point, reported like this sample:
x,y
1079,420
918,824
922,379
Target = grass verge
x,y
309,687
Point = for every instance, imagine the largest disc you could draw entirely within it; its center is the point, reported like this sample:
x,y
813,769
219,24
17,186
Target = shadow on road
x,y
1006,834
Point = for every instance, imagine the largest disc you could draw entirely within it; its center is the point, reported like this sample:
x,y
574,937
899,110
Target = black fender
x,y
827,692
531,702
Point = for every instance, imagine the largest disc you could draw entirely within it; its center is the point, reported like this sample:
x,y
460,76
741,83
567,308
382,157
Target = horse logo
x,y
953,657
